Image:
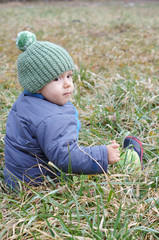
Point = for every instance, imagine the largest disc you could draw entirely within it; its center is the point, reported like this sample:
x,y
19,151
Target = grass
x,y
116,49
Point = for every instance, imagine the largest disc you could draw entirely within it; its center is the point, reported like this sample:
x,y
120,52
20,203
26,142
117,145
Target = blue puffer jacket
x,y
39,131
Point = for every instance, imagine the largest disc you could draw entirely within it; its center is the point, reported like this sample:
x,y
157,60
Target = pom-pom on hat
x,y
41,62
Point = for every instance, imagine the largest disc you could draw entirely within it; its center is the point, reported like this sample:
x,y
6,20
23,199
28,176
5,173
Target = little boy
x,y
43,125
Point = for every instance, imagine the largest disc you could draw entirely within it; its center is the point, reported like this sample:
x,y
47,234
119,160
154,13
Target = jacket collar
x,y
37,95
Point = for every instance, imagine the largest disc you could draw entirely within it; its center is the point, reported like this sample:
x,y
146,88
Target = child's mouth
x,y
67,94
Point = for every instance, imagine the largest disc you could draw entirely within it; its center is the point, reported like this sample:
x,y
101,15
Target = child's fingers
x,y
115,145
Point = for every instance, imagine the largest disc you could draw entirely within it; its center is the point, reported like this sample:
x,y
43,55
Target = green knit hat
x,y
40,62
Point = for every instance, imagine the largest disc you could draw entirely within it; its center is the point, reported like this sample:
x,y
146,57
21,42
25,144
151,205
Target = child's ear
x,y
39,90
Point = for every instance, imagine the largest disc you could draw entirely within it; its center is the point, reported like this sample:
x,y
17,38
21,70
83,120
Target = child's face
x,y
59,90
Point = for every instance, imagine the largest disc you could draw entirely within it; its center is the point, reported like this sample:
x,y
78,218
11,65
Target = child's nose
x,y
67,82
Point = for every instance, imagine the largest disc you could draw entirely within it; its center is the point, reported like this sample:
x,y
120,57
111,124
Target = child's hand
x,y
113,152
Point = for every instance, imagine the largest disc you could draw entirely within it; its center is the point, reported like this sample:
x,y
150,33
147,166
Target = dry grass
x,y
115,46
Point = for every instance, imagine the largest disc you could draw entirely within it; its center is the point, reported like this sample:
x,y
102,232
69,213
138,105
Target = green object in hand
x,y
131,159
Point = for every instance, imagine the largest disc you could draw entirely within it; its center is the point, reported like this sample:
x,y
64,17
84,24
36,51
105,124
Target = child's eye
x,y
69,76
56,79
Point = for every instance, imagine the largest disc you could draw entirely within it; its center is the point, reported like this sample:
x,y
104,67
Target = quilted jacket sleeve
x,y
57,136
